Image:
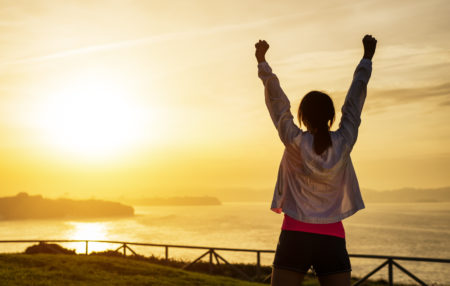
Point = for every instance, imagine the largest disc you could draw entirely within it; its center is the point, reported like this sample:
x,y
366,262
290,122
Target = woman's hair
x,y
316,110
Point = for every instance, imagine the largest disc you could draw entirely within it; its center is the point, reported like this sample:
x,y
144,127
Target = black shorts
x,y
298,251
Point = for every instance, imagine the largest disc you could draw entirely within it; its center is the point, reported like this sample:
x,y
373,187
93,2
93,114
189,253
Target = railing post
x,y
258,263
167,252
391,274
210,260
86,247
125,249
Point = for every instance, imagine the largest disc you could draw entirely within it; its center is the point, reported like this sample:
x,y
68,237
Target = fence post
x,y
86,247
210,260
258,263
167,252
391,274
125,249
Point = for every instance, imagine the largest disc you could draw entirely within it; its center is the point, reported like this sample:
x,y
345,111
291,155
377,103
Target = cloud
x,y
401,74
155,39
438,95
8,24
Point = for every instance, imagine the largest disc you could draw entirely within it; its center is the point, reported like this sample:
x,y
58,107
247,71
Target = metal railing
x,y
212,251
390,262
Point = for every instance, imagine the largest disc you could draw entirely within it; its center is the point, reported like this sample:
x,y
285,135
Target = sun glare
x,y
92,116
89,231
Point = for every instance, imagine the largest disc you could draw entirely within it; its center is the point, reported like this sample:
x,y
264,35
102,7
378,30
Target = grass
x,y
63,269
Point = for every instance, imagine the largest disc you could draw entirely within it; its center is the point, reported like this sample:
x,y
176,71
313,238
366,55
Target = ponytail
x,y
316,110
322,139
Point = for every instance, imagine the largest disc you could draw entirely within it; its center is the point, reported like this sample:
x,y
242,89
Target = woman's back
x,y
311,187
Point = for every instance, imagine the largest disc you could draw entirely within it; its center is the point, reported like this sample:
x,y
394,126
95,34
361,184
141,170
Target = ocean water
x,y
398,229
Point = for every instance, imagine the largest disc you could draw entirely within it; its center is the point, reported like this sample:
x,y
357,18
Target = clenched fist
x,y
261,49
370,44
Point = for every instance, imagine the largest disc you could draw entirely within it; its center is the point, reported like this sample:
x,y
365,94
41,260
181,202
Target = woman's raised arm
x,y
356,95
276,100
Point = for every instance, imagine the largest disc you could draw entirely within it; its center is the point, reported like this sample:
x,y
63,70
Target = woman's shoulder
x,y
336,136
338,147
306,138
303,144
339,144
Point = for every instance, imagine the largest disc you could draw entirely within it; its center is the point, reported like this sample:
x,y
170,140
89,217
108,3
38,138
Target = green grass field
x,y
61,269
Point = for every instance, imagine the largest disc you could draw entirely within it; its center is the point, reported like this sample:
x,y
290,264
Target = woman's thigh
x,y
330,256
294,251
284,277
337,279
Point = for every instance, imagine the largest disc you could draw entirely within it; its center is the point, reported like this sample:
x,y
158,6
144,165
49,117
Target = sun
x,y
89,231
92,116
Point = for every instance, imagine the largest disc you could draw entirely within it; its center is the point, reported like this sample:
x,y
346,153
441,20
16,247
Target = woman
x,y
316,186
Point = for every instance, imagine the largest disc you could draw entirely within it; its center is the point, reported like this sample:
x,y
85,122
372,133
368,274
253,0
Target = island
x,y
24,206
177,201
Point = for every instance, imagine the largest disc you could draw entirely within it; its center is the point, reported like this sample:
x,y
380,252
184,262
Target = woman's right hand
x,y
261,49
370,44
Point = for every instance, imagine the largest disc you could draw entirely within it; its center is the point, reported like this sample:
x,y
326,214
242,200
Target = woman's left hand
x,y
261,49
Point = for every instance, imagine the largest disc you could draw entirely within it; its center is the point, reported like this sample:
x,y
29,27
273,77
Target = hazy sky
x,y
130,98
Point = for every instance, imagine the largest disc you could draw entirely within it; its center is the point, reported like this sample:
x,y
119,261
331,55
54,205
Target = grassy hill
x,y
60,269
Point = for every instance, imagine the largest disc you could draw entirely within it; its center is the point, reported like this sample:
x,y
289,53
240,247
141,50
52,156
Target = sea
x,y
396,229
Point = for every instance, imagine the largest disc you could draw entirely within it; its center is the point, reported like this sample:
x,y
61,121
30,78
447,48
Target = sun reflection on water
x,y
89,231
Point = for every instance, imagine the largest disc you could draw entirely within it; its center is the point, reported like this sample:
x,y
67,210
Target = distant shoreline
x,y
176,201
23,206
403,195
407,195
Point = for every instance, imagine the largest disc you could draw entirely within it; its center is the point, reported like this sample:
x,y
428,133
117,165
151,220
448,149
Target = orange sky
x,y
130,98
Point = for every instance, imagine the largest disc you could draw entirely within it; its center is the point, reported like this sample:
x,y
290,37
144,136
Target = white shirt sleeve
x,y
354,101
278,105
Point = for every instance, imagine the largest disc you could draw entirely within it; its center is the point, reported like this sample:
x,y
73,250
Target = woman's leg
x,y
331,261
338,279
283,277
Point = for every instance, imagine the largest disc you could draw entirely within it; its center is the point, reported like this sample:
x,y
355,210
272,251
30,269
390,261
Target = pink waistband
x,y
336,228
